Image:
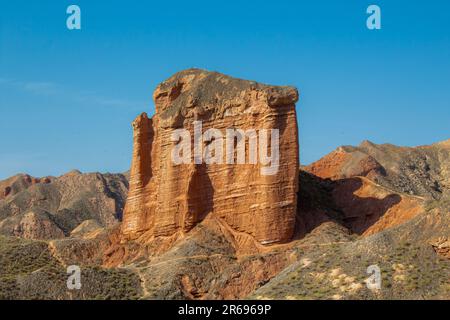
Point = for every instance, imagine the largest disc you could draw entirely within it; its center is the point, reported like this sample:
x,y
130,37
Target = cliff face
x,y
255,195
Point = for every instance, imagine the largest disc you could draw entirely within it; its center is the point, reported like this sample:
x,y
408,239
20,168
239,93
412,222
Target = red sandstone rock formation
x,y
166,198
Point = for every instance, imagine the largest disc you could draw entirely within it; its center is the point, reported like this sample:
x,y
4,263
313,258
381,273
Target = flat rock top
x,y
195,87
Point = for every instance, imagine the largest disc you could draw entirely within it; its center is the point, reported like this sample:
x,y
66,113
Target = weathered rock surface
x,y
35,224
209,264
376,187
422,171
50,208
86,228
442,246
18,183
357,203
166,198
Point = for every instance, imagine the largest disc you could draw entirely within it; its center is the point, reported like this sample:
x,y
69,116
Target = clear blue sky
x,y
67,98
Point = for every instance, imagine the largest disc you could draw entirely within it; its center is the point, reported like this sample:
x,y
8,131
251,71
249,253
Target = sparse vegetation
x,y
341,273
29,271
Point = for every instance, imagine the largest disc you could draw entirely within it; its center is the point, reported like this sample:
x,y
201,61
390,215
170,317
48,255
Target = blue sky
x,y
67,98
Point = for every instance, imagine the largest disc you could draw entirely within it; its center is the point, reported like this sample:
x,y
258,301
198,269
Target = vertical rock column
x,y
137,212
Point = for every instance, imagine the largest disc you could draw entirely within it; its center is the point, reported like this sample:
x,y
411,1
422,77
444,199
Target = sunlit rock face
x,y
247,180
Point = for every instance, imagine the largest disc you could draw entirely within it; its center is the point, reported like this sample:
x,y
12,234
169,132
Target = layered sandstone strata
x,y
167,197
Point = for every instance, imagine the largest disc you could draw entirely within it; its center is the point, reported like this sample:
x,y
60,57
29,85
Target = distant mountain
x,y
422,171
51,207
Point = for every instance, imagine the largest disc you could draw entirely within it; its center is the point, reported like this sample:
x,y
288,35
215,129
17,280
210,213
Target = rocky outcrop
x,y
254,197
